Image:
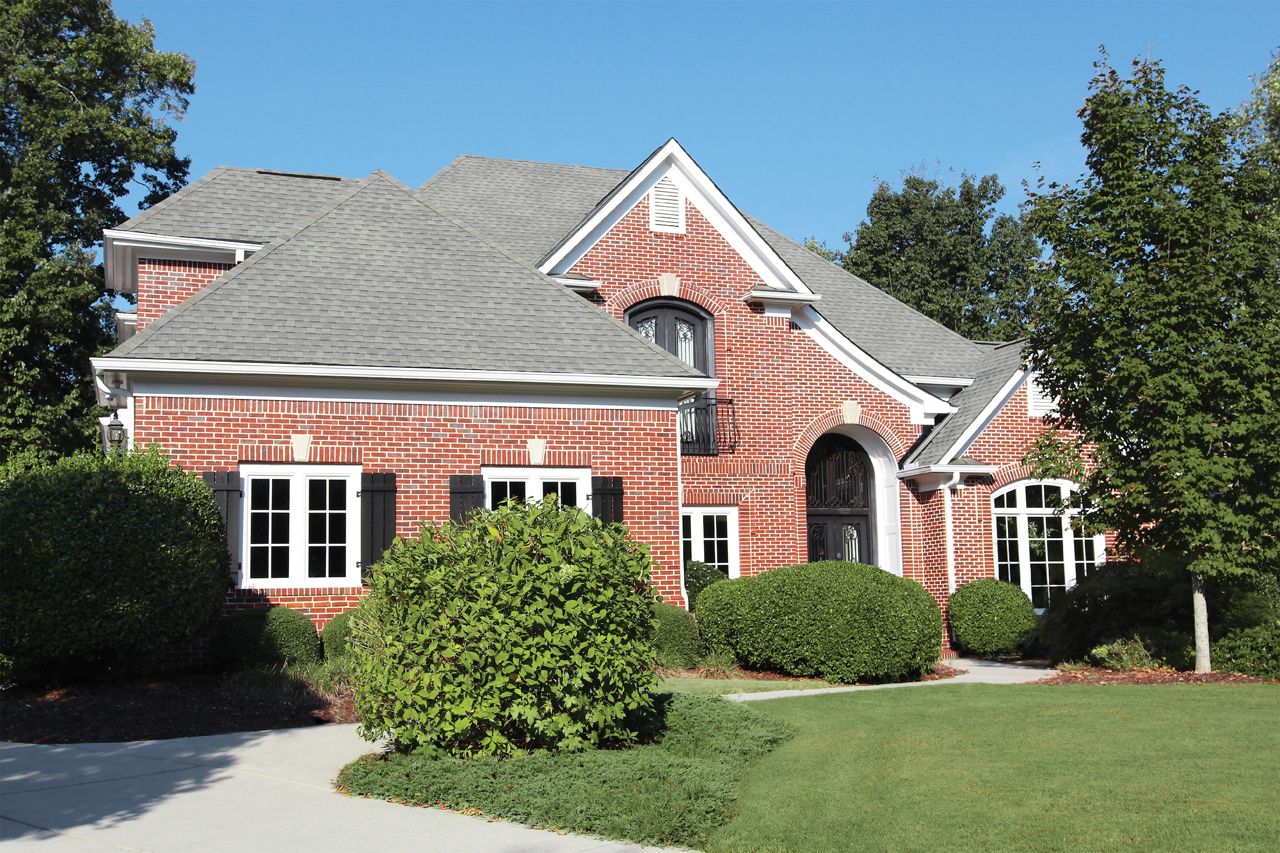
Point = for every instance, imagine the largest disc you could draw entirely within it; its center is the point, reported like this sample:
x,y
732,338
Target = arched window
x,y
1036,545
678,327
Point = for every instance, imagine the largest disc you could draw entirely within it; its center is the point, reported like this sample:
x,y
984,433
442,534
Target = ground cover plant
x,y
524,628
1027,767
673,788
843,622
105,560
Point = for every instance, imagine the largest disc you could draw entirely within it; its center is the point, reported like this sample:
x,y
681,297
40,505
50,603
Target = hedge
x,y
105,560
839,621
676,639
697,577
1252,651
528,627
272,635
335,634
990,618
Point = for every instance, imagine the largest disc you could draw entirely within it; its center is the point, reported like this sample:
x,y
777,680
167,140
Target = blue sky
x,y
794,108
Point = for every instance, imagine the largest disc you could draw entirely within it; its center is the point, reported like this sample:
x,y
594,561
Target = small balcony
x,y
708,427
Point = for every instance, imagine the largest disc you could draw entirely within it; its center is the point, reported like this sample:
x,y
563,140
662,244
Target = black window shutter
x,y
226,492
377,516
606,498
466,495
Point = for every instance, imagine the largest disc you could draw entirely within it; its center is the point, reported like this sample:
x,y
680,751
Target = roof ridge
x,y
235,272
440,174
541,162
187,191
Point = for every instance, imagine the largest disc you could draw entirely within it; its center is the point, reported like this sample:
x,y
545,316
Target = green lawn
x,y
721,686
977,767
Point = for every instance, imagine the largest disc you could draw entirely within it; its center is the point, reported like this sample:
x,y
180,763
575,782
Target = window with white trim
x,y
301,526
572,486
1036,545
709,534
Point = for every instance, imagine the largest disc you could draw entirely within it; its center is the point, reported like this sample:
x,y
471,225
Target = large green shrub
x,y
839,621
528,627
990,618
104,559
271,635
676,639
697,577
1119,600
335,633
1252,651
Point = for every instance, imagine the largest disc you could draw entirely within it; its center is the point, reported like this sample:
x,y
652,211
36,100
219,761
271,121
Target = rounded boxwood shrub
x,y
840,621
990,618
697,577
676,639
104,559
528,627
1252,651
272,635
334,635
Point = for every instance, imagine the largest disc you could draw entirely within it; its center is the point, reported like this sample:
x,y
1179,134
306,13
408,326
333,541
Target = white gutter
x,y
932,477
776,297
151,241
948,381
332,371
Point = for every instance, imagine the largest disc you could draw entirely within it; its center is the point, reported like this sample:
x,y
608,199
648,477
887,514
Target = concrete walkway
x,y
247,791
978,672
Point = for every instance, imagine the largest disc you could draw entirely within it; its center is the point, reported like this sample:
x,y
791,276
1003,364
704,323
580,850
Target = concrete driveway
x,y
248,791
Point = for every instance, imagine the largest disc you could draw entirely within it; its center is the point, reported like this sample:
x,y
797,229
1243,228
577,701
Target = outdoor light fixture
x,y
115,431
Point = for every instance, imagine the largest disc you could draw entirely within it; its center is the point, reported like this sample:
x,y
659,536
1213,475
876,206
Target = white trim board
x,y
697,188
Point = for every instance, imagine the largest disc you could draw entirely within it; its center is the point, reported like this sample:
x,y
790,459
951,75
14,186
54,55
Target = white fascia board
x,y
985,417
246,368
579,285
945,381
924,407
673,161
153,241
930,478
774,297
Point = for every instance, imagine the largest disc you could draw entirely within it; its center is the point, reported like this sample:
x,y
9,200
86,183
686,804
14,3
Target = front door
x,y
838,493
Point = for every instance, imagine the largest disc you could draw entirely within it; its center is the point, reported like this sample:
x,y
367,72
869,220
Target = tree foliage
x,y
1162,337
87,110
945,252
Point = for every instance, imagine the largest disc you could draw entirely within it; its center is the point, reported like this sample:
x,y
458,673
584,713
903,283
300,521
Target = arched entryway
x,y
840,511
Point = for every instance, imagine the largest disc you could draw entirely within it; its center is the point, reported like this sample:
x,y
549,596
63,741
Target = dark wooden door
x,y
838,493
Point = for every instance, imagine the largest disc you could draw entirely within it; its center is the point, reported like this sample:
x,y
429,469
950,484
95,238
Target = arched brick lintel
x,y
633,294
1011,473
837,417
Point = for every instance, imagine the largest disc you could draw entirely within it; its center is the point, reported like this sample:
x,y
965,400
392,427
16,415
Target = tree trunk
x,y
1200,613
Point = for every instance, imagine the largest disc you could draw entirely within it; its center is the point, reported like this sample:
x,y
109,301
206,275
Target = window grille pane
x,y
279,561
648,329
852,550
280,494
686,538
1008,559
1035,497
315,561
259,562
316,493
684,341
337,494
326,528
260,494
715,541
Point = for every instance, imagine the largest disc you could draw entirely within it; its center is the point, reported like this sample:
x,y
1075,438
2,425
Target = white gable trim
x,y
987,415
672,161
924,407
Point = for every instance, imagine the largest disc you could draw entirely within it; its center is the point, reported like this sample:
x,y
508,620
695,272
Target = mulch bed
x,y
160,708
1097,675
940,671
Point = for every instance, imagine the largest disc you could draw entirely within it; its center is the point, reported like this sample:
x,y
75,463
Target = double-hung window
x,y
709,534
1037,547
572,486
301,526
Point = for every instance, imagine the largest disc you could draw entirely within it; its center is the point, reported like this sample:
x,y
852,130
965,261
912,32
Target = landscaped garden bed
x,y
182,705
1158,675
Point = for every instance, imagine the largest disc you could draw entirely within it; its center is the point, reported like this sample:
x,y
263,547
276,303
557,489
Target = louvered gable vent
x,y
666,207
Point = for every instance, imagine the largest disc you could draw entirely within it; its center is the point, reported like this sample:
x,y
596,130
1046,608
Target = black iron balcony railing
x,y
708,427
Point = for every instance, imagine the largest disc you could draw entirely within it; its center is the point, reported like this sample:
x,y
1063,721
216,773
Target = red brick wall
x,y
781,381
425,444
162,284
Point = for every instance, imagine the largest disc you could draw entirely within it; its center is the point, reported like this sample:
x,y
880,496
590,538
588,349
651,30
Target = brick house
x,y
345,359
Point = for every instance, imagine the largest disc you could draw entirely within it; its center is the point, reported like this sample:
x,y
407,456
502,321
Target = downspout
x,y
684,592
950,530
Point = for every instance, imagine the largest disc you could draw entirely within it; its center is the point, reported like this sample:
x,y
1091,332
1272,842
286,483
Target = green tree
x,y
1162,337
87,110
944,251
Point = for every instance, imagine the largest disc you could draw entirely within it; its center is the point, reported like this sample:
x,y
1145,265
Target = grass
x,y
720,686
673,790
977,767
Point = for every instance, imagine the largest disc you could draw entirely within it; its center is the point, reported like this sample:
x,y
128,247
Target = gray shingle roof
x,y
379,278
253,205
997,364
528,207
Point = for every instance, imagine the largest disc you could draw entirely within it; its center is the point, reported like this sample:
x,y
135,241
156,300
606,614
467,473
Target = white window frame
x,y
298,512
697,543
1021,514
534,476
